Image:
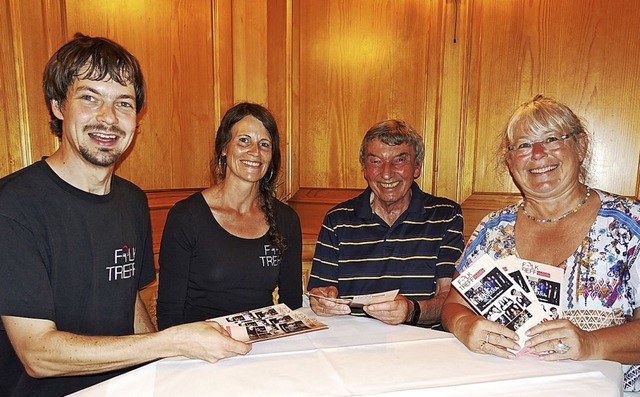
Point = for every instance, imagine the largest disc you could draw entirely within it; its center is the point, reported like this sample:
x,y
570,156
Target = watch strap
x,y
415,317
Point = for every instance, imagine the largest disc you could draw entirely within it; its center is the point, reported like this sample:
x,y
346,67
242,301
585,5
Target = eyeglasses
x,y
550,143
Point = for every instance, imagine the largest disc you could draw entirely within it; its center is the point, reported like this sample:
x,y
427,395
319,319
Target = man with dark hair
x,y
76,240
392,236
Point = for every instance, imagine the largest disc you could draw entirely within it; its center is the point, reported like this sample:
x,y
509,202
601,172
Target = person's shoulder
x,y
26,182
196,197
509,210
284,209
281,206
286,217
189,204
432,202
615,202
505,214
438,200
26,195
128,188
347,207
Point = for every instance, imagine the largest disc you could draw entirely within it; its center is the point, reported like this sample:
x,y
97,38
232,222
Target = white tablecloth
x,y
362,357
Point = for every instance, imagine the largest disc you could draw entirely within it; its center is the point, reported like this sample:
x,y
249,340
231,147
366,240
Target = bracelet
x,y
415,317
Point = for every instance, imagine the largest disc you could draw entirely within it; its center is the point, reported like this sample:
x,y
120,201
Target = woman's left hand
x,y
559,340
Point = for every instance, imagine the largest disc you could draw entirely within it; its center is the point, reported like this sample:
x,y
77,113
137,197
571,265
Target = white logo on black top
x,y
271,257
124,267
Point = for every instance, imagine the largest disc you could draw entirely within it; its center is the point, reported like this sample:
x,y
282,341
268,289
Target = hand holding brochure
x,y
267,323
497,297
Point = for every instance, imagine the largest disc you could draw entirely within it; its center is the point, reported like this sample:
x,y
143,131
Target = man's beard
x,y
100,157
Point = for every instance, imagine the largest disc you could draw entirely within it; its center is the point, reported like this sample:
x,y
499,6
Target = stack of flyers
x,y
506,291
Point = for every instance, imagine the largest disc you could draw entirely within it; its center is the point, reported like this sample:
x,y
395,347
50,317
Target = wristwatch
x,y
415,316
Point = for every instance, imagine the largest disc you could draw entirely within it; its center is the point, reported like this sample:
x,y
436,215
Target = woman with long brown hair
x,y
224,250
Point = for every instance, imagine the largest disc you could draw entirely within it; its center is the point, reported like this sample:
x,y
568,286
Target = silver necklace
x,y
566,214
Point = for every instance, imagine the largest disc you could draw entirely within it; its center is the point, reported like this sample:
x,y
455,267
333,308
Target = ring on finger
x,y
560,347
486,338
482,345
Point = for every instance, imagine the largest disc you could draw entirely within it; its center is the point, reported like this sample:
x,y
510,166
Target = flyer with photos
x,y
544,281
267,323
498,297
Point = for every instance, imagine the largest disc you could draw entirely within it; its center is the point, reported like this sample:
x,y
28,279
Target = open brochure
x,y
495,295
541,280
362,300
267,323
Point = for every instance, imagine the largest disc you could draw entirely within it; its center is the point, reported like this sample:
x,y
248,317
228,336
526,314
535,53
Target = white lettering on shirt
x,y
271,257
124,267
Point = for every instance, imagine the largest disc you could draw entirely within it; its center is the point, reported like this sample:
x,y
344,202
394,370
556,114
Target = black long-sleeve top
x,y
207,272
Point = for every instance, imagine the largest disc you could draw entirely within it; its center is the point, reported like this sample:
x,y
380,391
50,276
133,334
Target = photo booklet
x,y
513,292
267,323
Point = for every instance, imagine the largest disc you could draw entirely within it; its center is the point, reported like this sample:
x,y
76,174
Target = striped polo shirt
x,y
358,253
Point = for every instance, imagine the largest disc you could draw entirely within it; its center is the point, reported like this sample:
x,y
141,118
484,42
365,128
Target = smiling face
x,y
98,120
249,151
390,171
542,163
546,172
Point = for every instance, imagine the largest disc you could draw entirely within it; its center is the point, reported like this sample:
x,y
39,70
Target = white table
x,y
361,357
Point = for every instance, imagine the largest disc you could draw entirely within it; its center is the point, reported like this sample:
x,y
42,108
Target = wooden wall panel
x,y
173,41
250,51
222,58
359,63
330,69
29,32
449,180
261,55
279,85
585,54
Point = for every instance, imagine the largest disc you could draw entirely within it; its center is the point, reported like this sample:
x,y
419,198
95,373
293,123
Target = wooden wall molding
x,y
312,204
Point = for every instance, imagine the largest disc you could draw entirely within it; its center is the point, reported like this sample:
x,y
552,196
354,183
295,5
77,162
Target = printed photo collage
x,y
268,323
511,291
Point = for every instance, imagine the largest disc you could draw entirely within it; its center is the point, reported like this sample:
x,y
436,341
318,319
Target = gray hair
x,y
394,132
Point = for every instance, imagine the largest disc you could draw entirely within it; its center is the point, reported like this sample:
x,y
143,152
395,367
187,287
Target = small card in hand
x,y
362,300
339,301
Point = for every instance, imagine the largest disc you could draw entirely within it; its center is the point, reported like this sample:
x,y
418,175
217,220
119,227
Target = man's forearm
x,y
431,310
59,353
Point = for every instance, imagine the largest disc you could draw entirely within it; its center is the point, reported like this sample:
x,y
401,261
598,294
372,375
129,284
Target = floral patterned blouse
x,y
602,277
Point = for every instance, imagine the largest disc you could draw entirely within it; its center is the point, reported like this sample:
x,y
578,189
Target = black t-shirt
x,y
72,257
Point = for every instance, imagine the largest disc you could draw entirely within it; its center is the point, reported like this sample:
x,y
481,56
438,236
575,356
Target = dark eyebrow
x,y
93,90
87,88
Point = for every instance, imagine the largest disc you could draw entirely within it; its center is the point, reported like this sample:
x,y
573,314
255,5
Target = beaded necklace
x,y
566,214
